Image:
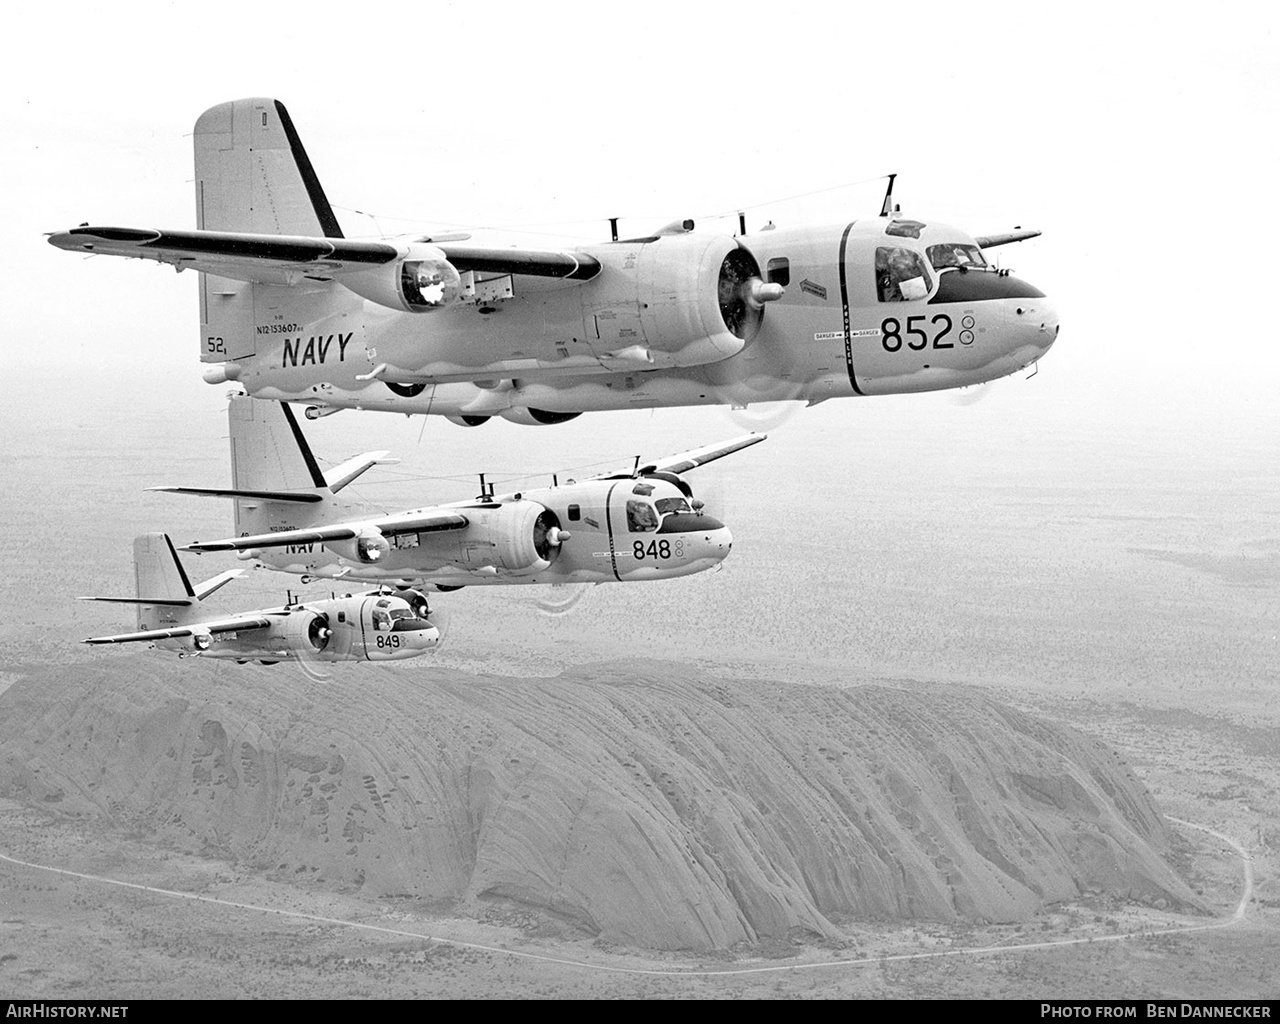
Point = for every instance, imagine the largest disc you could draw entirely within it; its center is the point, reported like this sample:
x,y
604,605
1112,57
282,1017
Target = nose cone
x,y
425,639
718,542
1038,320
706,547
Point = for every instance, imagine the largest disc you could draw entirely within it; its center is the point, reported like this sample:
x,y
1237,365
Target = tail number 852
x,y
892,332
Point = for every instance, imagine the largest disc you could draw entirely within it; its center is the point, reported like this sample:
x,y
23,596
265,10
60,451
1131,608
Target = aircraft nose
x,y
1038,319
721,541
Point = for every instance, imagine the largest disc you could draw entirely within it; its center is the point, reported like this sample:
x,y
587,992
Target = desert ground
x,y
1127,592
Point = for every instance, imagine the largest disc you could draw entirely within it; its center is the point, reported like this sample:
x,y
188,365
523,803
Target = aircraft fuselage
x,y
622,529
644,333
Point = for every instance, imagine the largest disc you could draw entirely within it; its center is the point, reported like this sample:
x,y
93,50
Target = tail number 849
x,y
892,332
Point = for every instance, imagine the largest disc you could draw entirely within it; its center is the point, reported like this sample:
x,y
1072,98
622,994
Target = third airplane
x,y
294,311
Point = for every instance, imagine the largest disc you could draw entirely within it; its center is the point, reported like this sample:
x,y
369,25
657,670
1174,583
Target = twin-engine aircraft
x,y
294,311
362,627
644,524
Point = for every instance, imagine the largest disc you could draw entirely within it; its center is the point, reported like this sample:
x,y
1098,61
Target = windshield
x,y
955,254
900,274
641,516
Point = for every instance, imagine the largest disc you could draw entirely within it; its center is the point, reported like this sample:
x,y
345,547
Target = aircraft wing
x,y
686,461
244,622
274,259
1004,238
413,522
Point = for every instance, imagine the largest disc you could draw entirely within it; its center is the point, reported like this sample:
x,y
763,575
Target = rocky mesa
x,y
637,802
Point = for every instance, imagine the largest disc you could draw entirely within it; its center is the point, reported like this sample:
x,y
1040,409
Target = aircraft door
x,y
633,523
380,641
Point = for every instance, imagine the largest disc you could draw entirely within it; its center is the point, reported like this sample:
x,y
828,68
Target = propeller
x,y
971,395
318,632
743,293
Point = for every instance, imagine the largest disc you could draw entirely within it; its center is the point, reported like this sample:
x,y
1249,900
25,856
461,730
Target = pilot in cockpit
x,y
900,275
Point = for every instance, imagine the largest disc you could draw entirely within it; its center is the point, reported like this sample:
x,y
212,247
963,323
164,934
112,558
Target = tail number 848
x,y
892,332
656,549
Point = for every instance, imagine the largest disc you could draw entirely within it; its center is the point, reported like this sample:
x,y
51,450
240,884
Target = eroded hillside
x,y
635,801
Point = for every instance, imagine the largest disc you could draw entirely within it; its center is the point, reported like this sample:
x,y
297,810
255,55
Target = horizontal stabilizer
x,y
141,600
342,474
215,583
228,492
1004,238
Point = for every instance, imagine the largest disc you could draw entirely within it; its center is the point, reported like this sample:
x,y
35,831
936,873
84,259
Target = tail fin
x,y
252,175
275,480
165,596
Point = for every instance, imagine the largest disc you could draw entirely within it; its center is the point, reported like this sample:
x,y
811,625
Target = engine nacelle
x,y
368,546
537,417
698,299
420,281
468,421
517,536
417,601
307,631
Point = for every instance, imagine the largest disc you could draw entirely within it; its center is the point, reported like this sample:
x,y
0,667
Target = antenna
x,y
742,222
887,206
635,470
613,228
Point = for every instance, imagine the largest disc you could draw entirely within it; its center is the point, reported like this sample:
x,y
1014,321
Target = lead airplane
x,y
641,524
294,311
375,626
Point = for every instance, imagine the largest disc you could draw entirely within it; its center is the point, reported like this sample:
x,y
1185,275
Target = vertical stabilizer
x,y
161,579
270,455
253,175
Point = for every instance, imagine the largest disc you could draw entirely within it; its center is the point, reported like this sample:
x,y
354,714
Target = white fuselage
x,y
641,335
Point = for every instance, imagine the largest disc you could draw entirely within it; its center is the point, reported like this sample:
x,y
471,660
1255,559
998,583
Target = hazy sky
x,y
1140,138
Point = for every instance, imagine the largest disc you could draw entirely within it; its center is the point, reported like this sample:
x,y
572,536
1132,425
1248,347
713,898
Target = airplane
x,y
294,311
375,626
640,524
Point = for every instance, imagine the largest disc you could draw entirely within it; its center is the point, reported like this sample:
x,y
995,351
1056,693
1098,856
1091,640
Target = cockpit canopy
x,y
665,515
395,615
904,275
955,254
